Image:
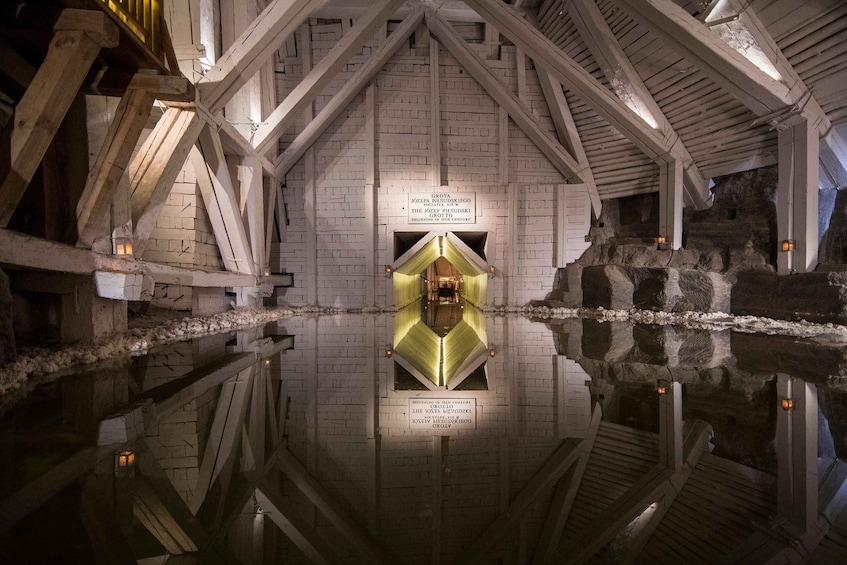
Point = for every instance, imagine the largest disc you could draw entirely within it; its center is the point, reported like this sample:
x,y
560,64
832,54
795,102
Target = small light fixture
x,y
491,353
388,270
122,246
491,269
661,240
124,463
787,404
389,352
267,362
788,245
267,272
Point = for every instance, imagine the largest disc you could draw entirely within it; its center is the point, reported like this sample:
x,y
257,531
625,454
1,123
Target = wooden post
x,y
670,200
310,198
797,198
434,113
252,203
112,162
45,103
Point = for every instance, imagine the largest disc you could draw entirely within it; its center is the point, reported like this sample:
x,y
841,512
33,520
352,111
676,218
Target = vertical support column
x,y
492,41
573,398
434,113
520,69
797,451
370,207
797,198
670,200
252,204
670,424
310,193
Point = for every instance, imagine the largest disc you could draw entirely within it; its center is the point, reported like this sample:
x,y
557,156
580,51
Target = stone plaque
x,y
442,414
442,208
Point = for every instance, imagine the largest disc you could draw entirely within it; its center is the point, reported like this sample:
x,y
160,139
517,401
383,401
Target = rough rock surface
x,y
814,297
606,286
7,334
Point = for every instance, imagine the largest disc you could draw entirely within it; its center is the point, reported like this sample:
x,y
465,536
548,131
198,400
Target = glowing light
x,y
788,245
787,404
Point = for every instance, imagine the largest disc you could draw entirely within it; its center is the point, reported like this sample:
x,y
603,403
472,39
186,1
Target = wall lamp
x,y
788,245
787,404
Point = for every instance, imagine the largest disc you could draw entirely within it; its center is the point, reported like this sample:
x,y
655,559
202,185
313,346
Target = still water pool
x,y
443,438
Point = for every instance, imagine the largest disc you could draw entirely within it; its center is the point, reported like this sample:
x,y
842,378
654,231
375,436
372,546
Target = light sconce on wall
x,y
662,387
787,245
662,242
122,246
389,352
124,463
491,351
787,404
491,271
267,272
267,362
388,270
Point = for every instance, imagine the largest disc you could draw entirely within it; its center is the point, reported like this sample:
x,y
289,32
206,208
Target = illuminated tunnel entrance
x,y
440,340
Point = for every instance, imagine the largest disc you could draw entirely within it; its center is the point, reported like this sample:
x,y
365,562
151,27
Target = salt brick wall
x,y
183,237
469,146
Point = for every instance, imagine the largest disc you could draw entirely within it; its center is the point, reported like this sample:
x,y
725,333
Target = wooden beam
x,y
366,546
169,88
434,113
154,169
40,112
699,45
28,251
252,48
343,97
269,131
568,134
218,194
546,54
629,87
252,202
98,519
305,537
92,211
558,156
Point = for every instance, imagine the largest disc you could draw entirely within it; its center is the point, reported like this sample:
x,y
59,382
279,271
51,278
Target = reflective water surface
x,y
346,439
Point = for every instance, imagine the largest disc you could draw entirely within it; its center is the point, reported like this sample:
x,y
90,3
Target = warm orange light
x,y
661,240
788,245
267,362
124,463
491,352
491,269
123,249
787,404
388,269
389,352
662,390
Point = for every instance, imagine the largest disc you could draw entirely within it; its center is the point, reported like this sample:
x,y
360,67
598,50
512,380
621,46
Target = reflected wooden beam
x,y
107,539
553,470
35,493
224,435
306,538
151,512
364,544
566,492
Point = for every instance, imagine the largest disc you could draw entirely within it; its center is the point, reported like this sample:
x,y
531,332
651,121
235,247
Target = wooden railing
x,y
144,19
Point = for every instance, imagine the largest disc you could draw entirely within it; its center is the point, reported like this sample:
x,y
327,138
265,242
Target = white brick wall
x,y
469,149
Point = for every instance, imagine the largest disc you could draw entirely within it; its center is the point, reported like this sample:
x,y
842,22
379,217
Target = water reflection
x,y
292,443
